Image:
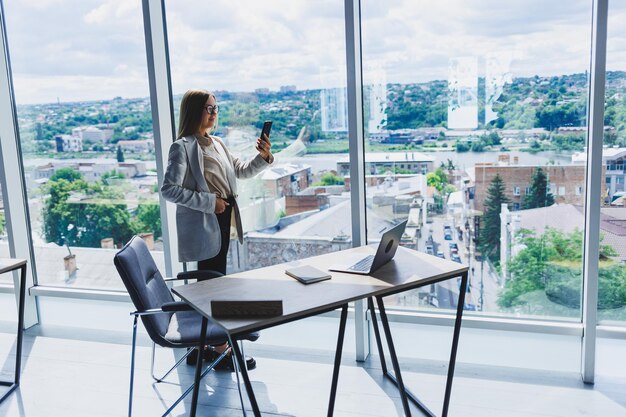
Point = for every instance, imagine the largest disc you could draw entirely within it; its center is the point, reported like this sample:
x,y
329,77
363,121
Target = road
x,y
478,270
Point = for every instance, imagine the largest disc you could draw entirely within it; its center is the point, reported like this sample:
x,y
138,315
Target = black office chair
x,y
169,323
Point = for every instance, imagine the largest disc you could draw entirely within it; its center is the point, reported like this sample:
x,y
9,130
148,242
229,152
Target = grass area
x,y
341,146
603,263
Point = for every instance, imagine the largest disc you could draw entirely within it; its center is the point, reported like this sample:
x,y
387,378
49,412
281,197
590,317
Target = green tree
x,y
539,195
552,263
330,179
490,234
120,154
2,224
57,213
67,174
148,218
437,179
462,146
68,218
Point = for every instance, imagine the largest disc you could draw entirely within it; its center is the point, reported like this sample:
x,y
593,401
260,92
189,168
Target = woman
x,y
200,179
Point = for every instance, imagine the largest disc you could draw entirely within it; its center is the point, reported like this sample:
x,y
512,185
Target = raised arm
x,y
249,168
172,189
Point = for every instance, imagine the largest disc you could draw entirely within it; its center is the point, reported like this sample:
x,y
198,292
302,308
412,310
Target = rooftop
x,y
569,217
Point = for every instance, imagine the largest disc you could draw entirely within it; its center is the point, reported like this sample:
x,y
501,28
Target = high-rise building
x,y
333,104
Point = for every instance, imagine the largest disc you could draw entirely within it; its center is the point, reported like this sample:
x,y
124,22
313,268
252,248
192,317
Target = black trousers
x,y
218,262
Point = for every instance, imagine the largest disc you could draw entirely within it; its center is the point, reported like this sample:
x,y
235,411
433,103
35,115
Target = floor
x,y
80,373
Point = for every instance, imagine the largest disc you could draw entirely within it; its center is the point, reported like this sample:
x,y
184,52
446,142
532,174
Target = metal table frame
x,y
405,393
14,266
379,294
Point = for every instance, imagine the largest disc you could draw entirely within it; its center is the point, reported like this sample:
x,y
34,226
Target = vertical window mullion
x,y
357,153
591,249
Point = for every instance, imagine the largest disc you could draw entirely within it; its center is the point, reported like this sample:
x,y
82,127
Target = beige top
x,y
215,170
216,166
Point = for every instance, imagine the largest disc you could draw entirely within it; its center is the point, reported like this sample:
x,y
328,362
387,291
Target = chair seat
x,y
184,331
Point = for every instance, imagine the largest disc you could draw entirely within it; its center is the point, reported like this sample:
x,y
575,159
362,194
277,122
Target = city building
x,y
615,166
333,104
566,183
286,179
92,134
137,146
395,162
91,171
68,143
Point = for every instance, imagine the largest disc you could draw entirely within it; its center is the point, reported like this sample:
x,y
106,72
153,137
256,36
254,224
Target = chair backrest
x,y
145,285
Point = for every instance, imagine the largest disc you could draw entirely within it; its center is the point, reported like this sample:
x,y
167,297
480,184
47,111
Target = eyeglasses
x,y
212,109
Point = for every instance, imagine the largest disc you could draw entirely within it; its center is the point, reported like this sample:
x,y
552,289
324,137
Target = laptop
x,y
386,250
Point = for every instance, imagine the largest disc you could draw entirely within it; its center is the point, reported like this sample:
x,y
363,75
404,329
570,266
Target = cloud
x,y
62,47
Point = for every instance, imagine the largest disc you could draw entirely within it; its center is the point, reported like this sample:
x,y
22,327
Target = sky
x,y
74,50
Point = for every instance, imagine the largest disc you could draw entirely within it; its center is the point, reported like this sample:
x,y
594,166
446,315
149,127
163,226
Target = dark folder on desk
x,y
307,274
246,309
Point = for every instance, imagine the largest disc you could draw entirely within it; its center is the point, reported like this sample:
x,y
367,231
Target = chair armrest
x,y
176,306
165,308
200,275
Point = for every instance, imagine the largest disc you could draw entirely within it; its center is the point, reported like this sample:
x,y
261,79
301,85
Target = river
x,y
327,162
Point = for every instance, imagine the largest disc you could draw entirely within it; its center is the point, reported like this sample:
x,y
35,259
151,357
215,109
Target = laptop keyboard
x,y
364,264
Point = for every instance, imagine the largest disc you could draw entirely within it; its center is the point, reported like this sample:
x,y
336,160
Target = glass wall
x,y
474,123
612,276
287,67
81,86
475,132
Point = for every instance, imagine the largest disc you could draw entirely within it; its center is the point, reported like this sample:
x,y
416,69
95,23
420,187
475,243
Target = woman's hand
x,y
264,146
220,205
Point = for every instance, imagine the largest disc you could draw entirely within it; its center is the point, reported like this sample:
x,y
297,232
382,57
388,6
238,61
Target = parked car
x,y
440,254
447,234
455,257
430,250
454,245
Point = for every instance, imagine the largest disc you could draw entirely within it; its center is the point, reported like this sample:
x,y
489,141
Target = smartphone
x,y
267,128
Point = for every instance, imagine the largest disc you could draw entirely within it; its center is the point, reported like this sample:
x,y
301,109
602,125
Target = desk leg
x,y
455,343
333,386
394,358
20,334
241,361
379,344
196,380
453,351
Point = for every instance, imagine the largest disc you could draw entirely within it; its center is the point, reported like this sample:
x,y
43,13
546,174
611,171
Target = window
x,y
428,73
527,190
561,191
288,67
85,130
579,190
612,274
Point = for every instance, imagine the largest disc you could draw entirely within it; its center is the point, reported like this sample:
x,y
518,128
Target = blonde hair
x,y
191,110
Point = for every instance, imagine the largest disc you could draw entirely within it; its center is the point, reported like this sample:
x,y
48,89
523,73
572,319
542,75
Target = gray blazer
x,y
199,234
